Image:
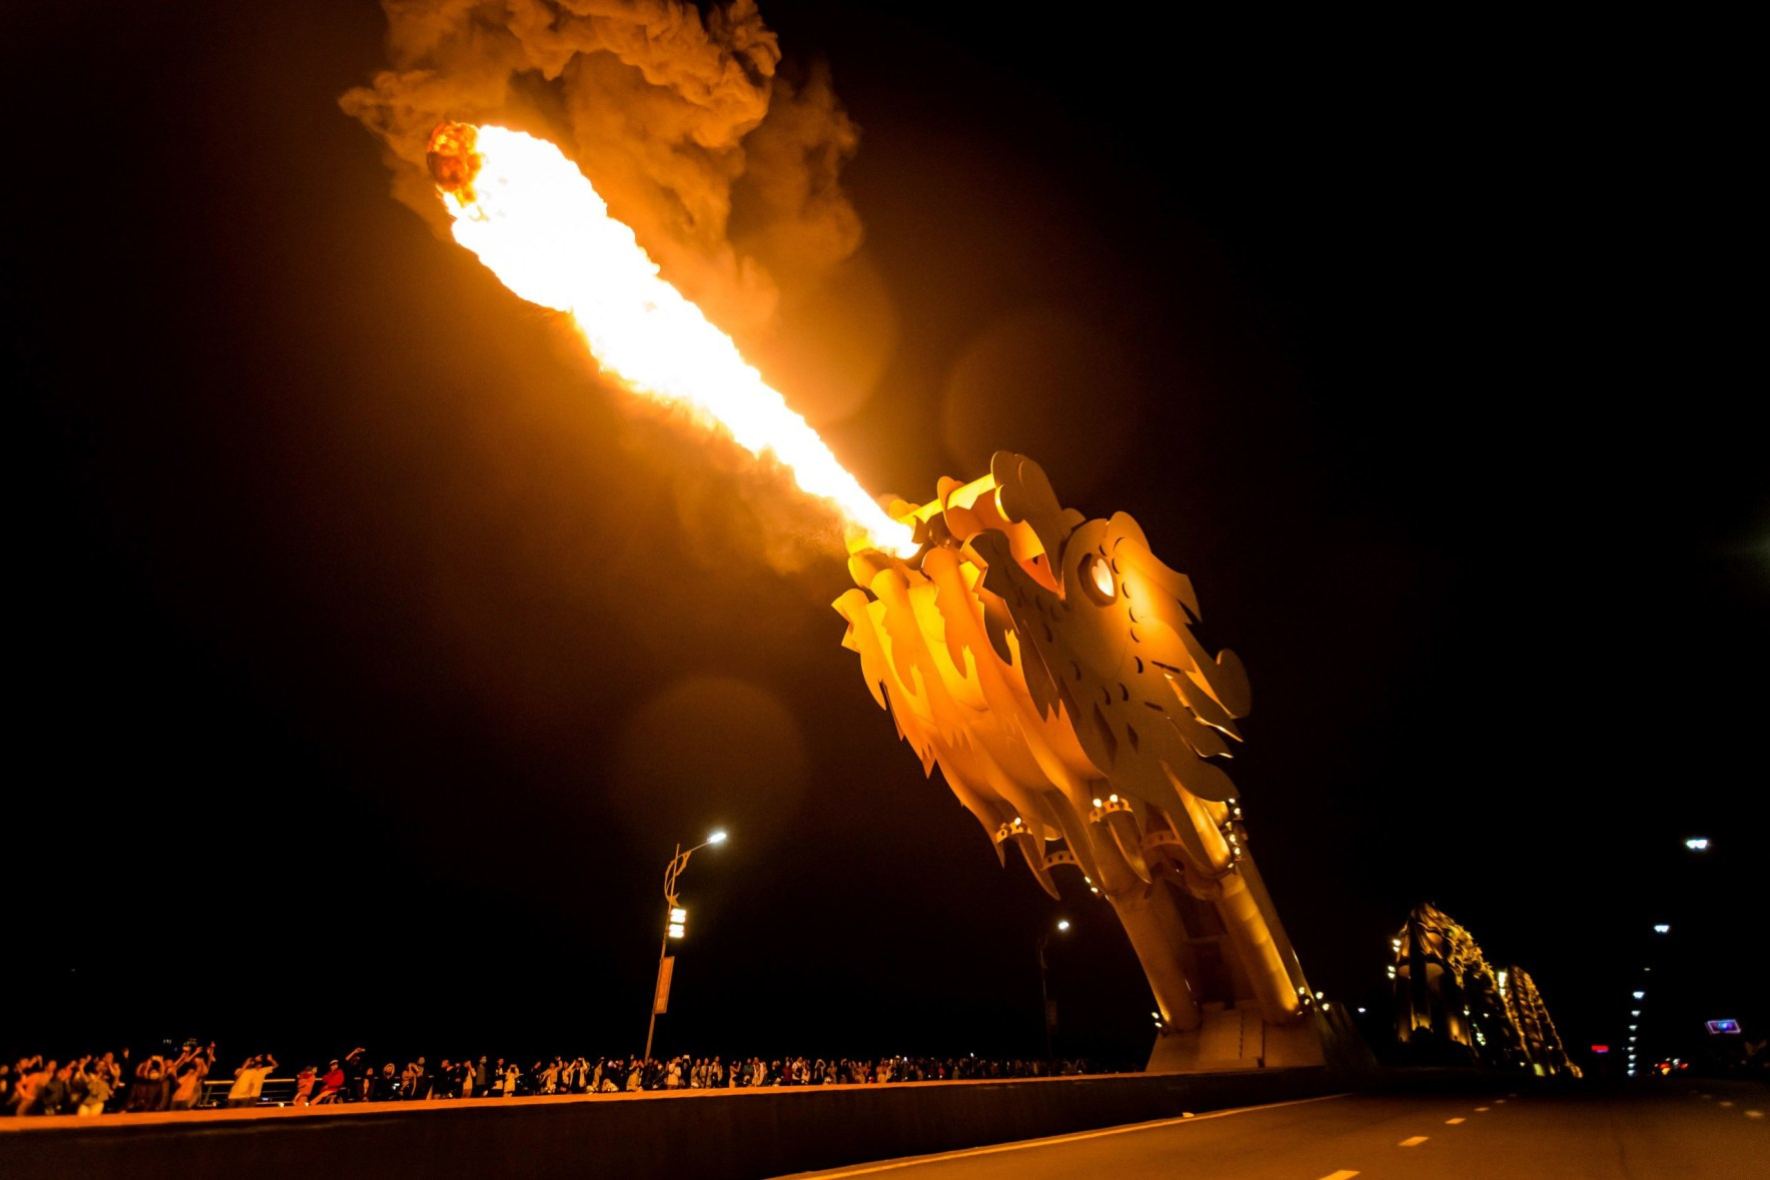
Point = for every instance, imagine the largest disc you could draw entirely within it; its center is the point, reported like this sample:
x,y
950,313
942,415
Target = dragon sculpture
x,y
1046,663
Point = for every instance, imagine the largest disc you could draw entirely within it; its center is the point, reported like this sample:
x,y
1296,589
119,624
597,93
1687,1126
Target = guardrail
x,y
708,1134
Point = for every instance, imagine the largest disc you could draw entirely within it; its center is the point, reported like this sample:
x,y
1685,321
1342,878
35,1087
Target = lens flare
x,y
527,212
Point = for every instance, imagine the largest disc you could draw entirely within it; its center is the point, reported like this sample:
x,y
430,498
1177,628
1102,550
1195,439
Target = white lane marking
x,y
1481,1110
1342,1174
1051,1141
1453,1122
1413,1141
1754,1114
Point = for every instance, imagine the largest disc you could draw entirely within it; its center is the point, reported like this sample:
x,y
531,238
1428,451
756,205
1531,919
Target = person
x,y
511,1073
332,1085
53,1097
146,1091
305,1079
357,1073
189,1074
249,1080
32,1073
96,1091
425,1082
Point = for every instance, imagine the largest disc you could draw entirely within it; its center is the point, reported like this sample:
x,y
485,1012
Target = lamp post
x,y
1045,1012
675,926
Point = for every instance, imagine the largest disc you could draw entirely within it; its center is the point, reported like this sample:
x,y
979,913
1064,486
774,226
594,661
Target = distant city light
x,y
1661,928
1697,844
1361,1011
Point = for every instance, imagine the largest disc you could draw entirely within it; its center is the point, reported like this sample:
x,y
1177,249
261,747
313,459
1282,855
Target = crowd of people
x,y
117,1081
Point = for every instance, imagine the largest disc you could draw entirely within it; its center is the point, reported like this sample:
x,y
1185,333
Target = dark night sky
x,y
372,657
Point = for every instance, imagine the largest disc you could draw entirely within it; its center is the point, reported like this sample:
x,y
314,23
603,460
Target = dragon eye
x,y
1097,579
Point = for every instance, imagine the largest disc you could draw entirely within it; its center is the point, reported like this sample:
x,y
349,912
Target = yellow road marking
x,y
1413,1141
1481,1110
1453,1122
1051,1141
1754,1114
1342,1174
1726,1102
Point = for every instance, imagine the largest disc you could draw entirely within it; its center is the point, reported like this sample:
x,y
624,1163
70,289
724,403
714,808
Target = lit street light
x,y
1661,928
1697,844
1048,1012
675,929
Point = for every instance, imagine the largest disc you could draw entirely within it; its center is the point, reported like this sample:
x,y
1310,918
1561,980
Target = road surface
x,y
1703,1129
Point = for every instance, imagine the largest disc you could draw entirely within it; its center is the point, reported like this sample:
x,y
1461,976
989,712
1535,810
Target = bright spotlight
x,y
717,837
1697,844
1063,923
1662,928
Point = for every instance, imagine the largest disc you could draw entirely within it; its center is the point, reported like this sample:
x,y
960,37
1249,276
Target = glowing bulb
x,y
1100,574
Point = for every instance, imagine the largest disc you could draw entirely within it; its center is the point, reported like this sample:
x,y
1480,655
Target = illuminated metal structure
x,y
1046,663
1451,1006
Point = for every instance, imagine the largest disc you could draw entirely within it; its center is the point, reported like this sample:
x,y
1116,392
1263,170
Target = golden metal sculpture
x,y
1046,663
1451,1006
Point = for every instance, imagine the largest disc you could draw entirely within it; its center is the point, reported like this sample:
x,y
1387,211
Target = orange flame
x,y
533,218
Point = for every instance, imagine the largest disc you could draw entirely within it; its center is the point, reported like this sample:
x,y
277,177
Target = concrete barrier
x,y
707,1135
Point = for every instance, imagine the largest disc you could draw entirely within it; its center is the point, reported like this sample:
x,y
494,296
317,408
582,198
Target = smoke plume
x,y
726,170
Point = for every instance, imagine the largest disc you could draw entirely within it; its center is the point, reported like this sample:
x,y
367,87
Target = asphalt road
x,y
1700,1129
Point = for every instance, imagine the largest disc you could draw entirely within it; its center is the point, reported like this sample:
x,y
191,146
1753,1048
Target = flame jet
x,y
541,227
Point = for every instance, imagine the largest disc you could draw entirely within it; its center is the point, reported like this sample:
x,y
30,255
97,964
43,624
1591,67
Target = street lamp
x,y
1697,844
1662,927
675,929
1049,1014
